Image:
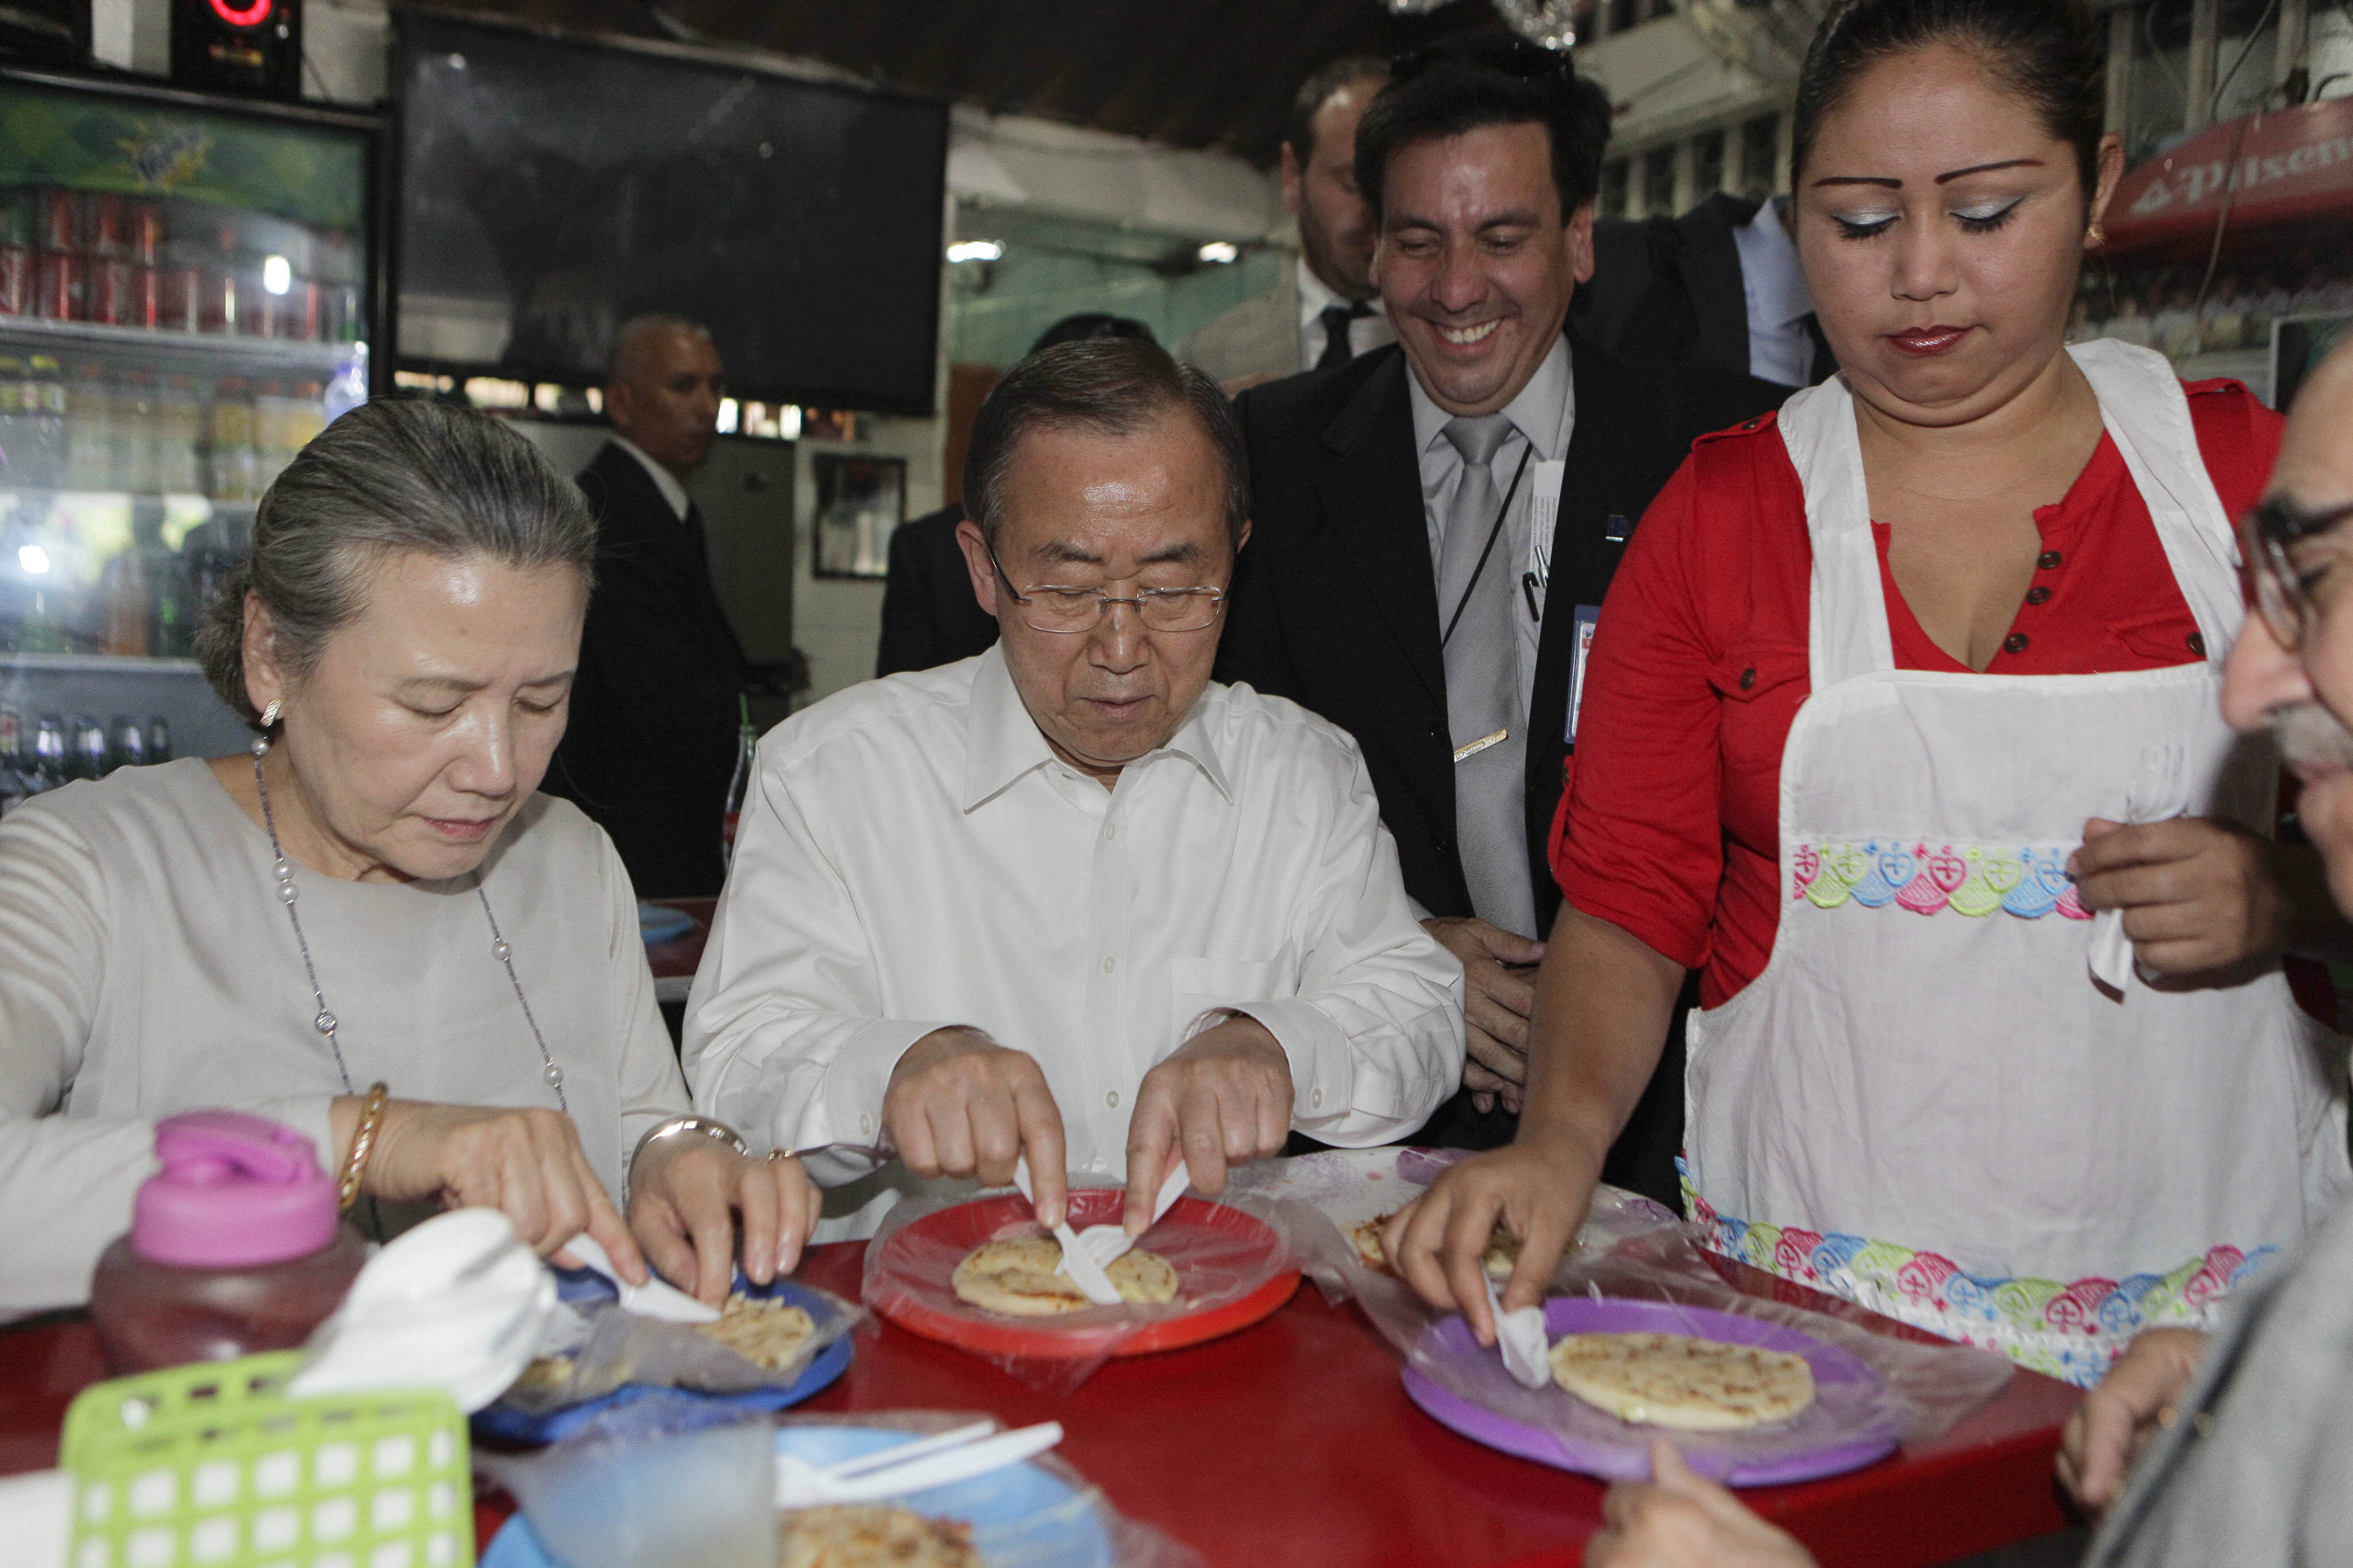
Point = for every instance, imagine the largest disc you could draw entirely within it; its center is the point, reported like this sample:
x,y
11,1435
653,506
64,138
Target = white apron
x,y
1927,1103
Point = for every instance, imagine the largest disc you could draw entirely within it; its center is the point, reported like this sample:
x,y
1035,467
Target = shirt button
x,y
2014,643
1110,832
2197,643
1111,1099
1749,679
866,1125
1110,964
2047,561
1316,1100
2037,595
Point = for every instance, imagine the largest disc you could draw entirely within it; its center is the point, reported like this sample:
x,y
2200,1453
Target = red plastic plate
x,y
955,1232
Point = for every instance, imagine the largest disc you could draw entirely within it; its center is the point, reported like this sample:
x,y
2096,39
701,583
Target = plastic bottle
x,y
232,442
129,743
90,431
15,430
747,747
14,787
159,739
48,768
179,431
45,407
234,1247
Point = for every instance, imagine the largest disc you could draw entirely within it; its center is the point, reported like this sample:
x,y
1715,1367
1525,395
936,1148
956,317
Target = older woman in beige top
x,y
375,895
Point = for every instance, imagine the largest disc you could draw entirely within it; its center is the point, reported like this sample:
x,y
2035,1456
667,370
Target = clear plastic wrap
x,y
1234,1264
611,1348
1051,1517
1633,1250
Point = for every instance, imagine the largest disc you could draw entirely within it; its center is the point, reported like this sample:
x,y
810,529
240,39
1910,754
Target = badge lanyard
x,y
1492,535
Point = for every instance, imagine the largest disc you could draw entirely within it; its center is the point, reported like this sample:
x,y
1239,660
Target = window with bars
x,y
1659,181
1707,166
1760,145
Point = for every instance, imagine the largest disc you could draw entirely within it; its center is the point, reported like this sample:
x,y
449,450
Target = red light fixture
x,y
252,15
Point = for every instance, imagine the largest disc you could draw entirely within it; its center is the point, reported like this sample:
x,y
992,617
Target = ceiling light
x,y
1220,253
277,274
32,559
976,251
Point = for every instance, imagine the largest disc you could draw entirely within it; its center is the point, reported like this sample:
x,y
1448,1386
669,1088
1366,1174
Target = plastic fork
x,y
1100,1245
657,1297
913,1467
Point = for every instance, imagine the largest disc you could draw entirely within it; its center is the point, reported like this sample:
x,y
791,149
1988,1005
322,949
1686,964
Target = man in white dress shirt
x,y
1326,311
1070,900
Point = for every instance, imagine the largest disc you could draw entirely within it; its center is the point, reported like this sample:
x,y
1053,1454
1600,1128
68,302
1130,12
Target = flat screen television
x,y
552,188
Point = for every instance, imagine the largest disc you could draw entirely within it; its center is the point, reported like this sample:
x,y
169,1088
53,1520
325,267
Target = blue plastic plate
x,y
509,1425
1024,1514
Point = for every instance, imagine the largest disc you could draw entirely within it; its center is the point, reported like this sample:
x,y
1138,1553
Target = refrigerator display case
x,y
189,289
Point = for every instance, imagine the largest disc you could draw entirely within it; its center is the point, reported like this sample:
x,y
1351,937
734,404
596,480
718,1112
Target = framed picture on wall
x,y
859,502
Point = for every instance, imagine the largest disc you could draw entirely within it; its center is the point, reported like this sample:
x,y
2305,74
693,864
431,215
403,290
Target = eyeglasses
x,y
2282,592
1049,607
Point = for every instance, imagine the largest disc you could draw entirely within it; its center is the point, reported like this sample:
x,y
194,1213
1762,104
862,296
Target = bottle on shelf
x,y
90,431
13,786
231,455
170,615
159,739
49,769
179,433
88,758
16,266
135,434
129,746
15,430
43,404
123,590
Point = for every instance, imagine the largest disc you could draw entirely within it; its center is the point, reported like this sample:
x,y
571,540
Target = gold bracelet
x,y
347,1186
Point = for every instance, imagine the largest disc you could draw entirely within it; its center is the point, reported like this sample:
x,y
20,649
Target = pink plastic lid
x,y
235,1191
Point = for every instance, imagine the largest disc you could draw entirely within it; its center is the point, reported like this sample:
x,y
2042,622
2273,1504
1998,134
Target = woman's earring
x,y
269,714
2095,237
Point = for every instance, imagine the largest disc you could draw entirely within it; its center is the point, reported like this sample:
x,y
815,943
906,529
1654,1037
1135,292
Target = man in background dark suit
x,y
655,709
929,614
1721,291
1375,486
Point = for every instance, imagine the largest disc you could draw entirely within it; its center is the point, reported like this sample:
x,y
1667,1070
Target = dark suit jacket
x,y
929,616
1693,309
1336,603
651,744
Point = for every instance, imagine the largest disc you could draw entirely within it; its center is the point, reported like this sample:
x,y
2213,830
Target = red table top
x,y
678,959
1293,1441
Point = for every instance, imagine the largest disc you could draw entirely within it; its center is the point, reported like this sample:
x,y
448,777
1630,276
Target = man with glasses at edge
x,y
1070,900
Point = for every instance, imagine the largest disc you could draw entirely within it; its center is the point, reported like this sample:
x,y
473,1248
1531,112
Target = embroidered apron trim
x,y
2070,1332
2029,881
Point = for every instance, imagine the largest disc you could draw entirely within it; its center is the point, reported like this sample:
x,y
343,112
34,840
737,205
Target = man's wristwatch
x,y
682,1127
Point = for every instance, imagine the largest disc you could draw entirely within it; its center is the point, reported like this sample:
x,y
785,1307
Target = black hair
x,y
1106,387
1299,125
2048,53
1092,324
1497,78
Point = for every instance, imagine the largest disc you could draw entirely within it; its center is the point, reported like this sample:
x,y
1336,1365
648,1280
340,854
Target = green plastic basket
x,y
212,1465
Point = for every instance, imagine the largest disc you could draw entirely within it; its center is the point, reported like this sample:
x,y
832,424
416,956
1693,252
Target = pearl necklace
x,y
325,1021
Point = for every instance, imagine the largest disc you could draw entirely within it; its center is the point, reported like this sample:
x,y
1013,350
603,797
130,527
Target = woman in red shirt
x,y
1901,727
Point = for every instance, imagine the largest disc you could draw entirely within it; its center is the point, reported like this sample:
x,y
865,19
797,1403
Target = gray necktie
x,y
1482,683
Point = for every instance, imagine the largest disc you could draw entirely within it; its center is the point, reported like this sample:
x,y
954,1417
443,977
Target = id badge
x,y
1587,618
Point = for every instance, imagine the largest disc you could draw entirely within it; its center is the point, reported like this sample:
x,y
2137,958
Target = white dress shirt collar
x,y
1366,333
1003,743
1543,413
1773,288
664,480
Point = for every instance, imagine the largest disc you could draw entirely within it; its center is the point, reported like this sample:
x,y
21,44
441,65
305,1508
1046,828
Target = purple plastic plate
x,y
1846,1428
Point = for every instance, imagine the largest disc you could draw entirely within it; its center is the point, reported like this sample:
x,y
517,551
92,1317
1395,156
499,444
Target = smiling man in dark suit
x,y
651,741
1435,521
